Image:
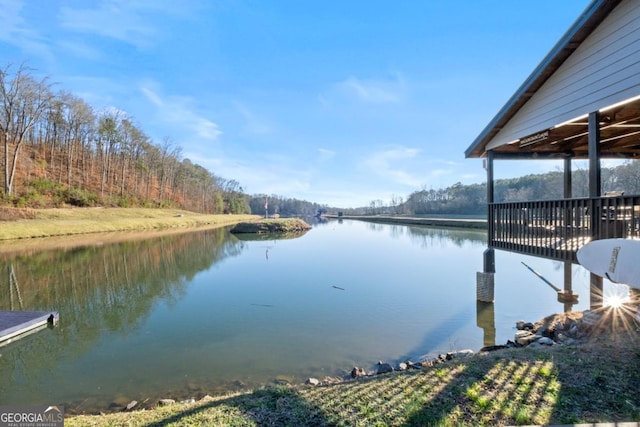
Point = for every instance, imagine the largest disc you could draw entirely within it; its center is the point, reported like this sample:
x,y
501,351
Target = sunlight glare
x,y
615,301
617,296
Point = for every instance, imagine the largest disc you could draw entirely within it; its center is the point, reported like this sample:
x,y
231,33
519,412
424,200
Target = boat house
x,y
581,102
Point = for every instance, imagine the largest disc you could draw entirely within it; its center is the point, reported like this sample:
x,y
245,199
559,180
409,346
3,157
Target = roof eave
x,y
590,18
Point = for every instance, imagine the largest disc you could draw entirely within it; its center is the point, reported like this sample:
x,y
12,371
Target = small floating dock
x,y
16,324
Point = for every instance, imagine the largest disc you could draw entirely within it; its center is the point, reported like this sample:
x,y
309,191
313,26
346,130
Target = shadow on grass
x,y
603,384
492,391
274,406
594,382
434,409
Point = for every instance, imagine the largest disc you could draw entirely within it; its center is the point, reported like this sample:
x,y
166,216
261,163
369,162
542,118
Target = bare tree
x,y
23,100
170,156
397,204
77,125
109,139
94,156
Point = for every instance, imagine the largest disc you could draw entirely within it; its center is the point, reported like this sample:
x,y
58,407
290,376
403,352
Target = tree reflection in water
x,y
95,289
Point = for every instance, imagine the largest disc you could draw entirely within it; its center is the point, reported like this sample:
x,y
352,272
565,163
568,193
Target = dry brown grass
x,y
14,214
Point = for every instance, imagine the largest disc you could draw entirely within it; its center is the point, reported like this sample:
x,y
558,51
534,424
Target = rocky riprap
x,y
385,368
570,328
563,329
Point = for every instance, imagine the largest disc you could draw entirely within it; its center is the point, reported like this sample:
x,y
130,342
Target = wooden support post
x,y
490,199
568,277
595,190
595,174
595,186
568,192
489,260
596,291
490,176
485,286
569,214
566,296
485,278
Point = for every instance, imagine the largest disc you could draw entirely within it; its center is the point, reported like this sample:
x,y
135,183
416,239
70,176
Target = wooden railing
x,y
558,228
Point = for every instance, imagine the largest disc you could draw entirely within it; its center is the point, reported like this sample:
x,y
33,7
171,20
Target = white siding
x,y
604,70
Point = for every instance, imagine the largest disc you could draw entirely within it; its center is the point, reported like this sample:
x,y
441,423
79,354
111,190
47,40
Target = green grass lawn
x,y
64,222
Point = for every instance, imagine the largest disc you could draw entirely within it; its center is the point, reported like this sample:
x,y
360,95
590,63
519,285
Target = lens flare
x,y
615,301
619,309
616,295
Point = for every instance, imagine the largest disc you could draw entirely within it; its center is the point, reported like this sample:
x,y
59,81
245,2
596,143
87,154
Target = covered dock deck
x,y
556,229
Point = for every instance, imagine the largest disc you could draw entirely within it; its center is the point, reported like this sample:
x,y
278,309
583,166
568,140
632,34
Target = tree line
x,y
472,199
57,149
284,206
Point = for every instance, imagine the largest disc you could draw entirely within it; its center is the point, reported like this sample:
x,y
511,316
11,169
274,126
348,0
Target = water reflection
x,y
252,237
486,320
96,290
438,236
431,236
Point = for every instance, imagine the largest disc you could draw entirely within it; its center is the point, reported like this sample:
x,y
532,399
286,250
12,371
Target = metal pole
x,y
555,288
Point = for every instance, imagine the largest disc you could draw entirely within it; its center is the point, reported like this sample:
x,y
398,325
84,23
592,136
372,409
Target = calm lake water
x,y
204,312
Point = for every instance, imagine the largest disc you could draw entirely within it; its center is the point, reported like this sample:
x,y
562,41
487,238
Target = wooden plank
x,y
16,323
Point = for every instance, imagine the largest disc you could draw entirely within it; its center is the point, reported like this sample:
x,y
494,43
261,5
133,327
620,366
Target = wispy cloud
x,y
80,49
278,174
17,32
372,90
99,92
253,123
180,111
440,172
129,21
471,177
389,164
152,96
265,173
325,154
13,26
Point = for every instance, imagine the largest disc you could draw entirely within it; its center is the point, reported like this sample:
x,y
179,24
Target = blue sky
x,y
337,102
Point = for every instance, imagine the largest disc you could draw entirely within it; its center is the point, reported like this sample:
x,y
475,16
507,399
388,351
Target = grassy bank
x,y
64,222
595,381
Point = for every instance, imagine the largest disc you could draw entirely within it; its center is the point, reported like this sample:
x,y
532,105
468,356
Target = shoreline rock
x,y
566,329
563,329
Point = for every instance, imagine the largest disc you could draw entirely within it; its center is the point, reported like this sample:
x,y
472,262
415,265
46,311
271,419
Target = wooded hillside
x,y
57,150
471,199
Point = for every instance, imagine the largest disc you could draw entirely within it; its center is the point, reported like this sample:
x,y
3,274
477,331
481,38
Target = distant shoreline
x,y
474,223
